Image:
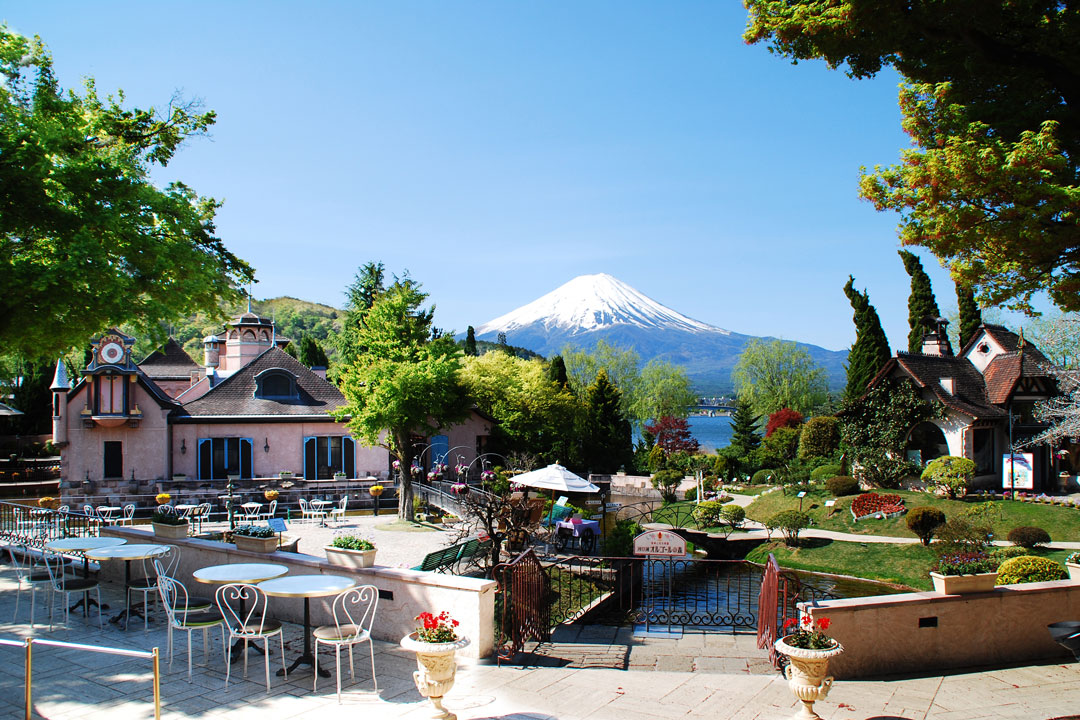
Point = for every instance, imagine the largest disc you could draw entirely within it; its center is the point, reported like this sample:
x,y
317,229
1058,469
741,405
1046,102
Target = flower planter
x,y
436,669
340,476
960,584
344,557
1074,570
806,675
253,544
170,532
285,475
179,478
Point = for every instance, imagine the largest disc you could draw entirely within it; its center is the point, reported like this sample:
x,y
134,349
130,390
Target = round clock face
x,y
112,352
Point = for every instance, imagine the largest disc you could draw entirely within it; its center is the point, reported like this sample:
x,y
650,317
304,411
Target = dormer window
x,y
949,384
111,394
983,348
275,384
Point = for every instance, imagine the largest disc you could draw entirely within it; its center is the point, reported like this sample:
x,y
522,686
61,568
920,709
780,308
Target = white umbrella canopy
x,y
555,477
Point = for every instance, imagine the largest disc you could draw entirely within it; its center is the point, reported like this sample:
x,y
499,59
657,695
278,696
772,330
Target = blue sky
x,y
497,149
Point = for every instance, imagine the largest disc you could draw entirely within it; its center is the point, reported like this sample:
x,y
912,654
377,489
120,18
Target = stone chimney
x,y
319,370
211,351
936,341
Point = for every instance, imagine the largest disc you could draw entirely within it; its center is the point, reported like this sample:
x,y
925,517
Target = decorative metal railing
x,y
35,526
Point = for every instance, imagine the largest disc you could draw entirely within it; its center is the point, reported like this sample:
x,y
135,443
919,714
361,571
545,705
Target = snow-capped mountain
x,y
594,307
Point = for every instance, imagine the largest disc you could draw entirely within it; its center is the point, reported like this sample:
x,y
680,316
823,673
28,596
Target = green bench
x,y
449,558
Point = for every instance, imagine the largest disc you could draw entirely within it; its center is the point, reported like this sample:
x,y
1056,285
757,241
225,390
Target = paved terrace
x,y
590,672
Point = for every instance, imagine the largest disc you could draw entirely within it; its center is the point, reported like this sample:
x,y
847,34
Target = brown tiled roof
x,y
235,395
1006,369
970,388
1009,342
170,362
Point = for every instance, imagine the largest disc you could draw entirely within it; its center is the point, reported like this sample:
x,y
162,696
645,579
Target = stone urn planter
x,y
1074,570
806,675
436,669
170,532
254,544
344,557
960,584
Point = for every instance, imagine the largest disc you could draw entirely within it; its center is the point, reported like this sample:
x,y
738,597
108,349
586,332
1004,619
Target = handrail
x,y
28,663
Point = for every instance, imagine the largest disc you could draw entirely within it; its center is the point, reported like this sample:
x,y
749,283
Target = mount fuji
x,y
600,307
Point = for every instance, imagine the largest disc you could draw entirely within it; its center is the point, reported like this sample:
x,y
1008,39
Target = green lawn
x,y
906,565
1063,523
751,490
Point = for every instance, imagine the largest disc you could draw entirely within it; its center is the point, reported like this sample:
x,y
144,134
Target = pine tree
x,y
970,314
556,372
607,442
871,348
367,285
744,435
310,353
921,303
470,342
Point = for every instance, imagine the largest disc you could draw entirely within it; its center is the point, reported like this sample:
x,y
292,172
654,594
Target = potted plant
x,y
285,474
435,641
179,477
270,495
964,572
162,498
255,538
340,476
809,649
351,551
48,502
167,524
1072,563
376,491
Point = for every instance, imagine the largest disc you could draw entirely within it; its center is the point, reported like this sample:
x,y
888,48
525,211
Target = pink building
x,y
250,410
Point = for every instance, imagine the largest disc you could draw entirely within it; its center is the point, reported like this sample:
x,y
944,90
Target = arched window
x,y
275,384
926,442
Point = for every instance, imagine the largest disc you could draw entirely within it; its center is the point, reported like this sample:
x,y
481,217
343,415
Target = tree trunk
x,y
405,488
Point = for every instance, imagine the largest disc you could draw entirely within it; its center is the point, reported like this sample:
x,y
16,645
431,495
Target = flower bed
x,y
873,505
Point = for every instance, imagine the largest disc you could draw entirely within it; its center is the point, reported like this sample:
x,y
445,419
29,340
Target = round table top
x,y
307,585
78,544
109,508
252,505
239,573
186,507
321,502
137,551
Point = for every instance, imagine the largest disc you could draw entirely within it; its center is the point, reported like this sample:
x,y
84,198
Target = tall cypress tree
x,y
970,314
310,352
871,349
556,372
921,303
607,443
744,435
470,342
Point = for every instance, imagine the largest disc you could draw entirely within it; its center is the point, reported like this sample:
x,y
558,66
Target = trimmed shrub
x,y
733,516
690,495
619,542
842,485
667,481
783,418
958,535
924,522
1002,554
707,514
824,472
820,437
1027,536
949,475
1029,569
791,523
764,477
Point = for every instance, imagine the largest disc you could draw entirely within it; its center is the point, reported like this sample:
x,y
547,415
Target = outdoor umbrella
x,y
555,477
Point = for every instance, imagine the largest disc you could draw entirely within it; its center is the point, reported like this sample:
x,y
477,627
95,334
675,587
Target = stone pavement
x,y
578,677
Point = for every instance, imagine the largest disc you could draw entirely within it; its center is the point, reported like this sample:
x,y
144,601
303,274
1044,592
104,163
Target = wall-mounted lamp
x,y
183,446
266,444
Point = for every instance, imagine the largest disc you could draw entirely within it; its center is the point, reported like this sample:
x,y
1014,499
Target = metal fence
x,y
35,526
28,664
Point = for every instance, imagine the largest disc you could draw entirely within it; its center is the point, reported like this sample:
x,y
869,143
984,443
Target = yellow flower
x,y
163,498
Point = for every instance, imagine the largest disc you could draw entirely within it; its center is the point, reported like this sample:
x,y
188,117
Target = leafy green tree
x,y
667,483
534,414
404,382
819,437
991,187
970,315
87,241
870,351
470,342
922,305
775,374
368,283
32,396
606,443
661,390
310,353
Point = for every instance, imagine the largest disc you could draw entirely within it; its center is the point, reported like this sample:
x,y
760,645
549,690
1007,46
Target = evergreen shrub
x,y
1027,536
841,485
924,522
824,472
791,523
764,477
1029,569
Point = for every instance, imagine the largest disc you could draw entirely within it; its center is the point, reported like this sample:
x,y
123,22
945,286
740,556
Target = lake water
x,y
712,433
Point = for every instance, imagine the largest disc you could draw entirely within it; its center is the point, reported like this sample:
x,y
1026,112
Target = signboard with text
x,y
1017,471
659,542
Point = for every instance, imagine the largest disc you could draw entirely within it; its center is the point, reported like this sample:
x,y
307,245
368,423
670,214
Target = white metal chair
x,y
354,612
200,514
251,511
236,599
105,516
338,510
183,614
163,564
68,586
271,511
128,517
29,574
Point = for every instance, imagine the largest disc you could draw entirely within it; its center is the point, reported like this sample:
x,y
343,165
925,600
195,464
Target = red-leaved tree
x,y
673,435
784,417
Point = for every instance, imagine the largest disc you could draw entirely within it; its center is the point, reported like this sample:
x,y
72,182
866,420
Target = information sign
x,y
830,503
612,507
659,542
561,502
1017,473
277,525
592,502
802,494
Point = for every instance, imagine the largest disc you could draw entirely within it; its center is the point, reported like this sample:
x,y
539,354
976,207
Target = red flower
x,y
790,623
824,623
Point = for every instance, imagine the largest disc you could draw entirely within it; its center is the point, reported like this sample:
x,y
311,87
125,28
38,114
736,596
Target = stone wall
x,y
930,632
404,594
